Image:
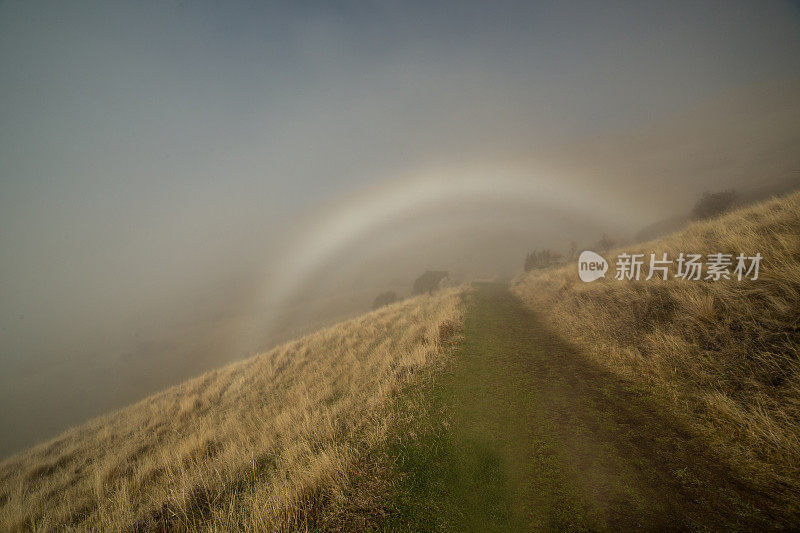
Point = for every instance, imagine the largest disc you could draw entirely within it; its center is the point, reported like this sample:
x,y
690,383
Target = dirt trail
x,y
524,434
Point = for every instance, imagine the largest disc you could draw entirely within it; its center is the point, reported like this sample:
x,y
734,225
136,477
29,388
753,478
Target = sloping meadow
x,y
724,355
259,444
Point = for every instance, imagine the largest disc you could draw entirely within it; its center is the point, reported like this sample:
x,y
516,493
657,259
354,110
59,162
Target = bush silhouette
x,y
384,298
713,204
429,281
541,259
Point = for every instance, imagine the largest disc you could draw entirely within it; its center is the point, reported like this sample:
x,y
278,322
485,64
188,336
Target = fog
x,y
183,184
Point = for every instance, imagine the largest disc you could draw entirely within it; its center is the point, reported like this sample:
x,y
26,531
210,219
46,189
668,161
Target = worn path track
x,y
522,433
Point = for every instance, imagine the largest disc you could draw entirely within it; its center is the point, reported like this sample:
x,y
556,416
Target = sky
x,y
175,177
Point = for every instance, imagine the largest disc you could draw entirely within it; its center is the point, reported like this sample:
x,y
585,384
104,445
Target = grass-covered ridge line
x,y
269,443
724,354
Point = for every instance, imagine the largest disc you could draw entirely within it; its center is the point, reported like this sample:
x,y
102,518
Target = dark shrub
x,y
384,298
429,281
714,204
541,259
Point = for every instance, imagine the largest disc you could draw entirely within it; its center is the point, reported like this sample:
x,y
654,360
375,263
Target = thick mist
x,y
183,184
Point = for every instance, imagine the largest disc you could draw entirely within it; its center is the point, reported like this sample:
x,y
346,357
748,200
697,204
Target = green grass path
x,y
521,433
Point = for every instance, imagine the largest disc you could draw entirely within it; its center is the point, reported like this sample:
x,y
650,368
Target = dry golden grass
x,y
256,445
725,354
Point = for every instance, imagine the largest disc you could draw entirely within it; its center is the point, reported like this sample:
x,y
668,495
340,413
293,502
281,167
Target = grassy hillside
x,y
725,355
267,443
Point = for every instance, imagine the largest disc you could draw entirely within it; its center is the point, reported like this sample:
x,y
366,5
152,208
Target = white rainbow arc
x,y
361,213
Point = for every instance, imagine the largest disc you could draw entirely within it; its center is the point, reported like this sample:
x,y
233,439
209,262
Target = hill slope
x,y
724,354
257,444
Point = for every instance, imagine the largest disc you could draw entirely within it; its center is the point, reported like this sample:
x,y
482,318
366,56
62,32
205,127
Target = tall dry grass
x,y
725,355
261,444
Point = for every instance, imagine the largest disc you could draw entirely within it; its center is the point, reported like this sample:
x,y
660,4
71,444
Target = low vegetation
x,y
384,298
723,354
539,259
714,204
269,443
430,281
